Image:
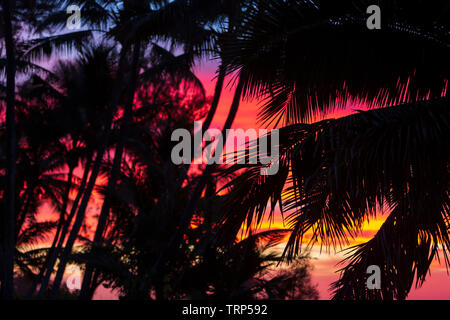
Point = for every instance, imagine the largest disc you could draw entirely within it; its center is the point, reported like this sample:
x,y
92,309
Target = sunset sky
x,y
189,151
325,265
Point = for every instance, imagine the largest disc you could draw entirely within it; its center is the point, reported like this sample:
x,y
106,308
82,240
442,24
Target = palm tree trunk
x,y
66,195
115,170
212,111
22,209
95,283
193,201
94,174
80,215
215,102
62,227
55,249
8,245
62,215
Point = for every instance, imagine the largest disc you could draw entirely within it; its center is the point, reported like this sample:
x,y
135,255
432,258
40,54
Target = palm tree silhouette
x,y
99,18
335,174
194,45
80,104
210,12
110,110
13,12
145,211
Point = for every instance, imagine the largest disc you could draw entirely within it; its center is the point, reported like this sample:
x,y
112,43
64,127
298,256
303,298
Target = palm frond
x,y
403,248
36,232
335,174
59,44
96,15
166,64
303,61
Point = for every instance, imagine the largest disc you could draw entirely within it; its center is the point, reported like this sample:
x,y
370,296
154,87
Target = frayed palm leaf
x,y
342,171
303,59
36,232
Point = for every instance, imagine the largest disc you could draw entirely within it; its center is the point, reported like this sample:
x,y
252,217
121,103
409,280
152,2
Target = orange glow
x,y
325,264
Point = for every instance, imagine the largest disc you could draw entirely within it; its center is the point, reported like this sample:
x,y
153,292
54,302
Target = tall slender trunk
x,y
115,170
22,209
79,219
94,174
193,201
215,102
212,111
58,240
66,195
62,215
95,283
8,245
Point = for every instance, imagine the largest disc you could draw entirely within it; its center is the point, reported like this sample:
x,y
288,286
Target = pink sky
x,y
437,285
324,264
